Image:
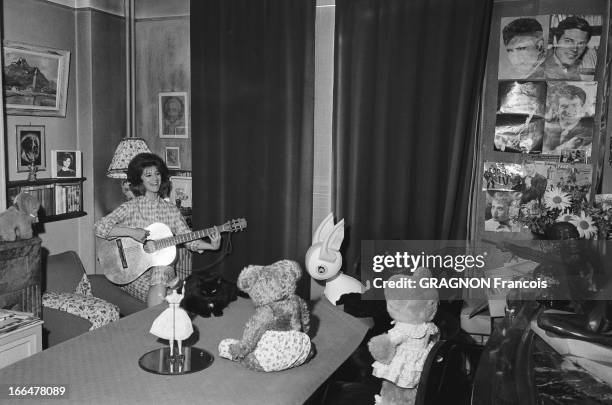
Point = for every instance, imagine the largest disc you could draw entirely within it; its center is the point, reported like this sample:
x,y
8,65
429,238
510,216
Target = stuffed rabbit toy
x,y
323,260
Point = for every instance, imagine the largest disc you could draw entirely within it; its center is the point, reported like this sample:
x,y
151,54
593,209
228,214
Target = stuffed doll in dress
x,y
401,353
174,323
275,337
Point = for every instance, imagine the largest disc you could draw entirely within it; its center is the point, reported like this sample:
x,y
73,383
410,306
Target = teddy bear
x,y
16,222
401,352
275,338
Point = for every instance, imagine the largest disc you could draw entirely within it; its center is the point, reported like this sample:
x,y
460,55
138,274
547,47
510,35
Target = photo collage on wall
x,y
546,90
546,104
512,186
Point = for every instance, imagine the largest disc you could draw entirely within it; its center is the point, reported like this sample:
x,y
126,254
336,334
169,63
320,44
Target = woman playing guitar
x,y
150,182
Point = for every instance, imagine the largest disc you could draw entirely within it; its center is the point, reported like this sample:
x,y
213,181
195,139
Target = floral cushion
x,y
84,287
95,310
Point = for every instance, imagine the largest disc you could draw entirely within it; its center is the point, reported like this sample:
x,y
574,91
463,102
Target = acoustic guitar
x,y
124,259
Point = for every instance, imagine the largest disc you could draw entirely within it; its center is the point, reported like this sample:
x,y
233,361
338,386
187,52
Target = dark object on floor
x,y
207,294
448,374
573,326
349,393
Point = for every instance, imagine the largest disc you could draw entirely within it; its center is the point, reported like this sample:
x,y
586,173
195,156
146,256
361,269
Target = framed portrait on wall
x,y
35,80
173,119
30,147
173,157
65,163
181,191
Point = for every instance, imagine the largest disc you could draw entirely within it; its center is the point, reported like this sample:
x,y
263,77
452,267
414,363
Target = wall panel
x,y
162,65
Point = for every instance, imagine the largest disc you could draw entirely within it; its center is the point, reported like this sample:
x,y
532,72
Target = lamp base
x,y
159,361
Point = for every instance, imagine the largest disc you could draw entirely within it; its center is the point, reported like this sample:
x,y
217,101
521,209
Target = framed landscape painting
x,y
35,80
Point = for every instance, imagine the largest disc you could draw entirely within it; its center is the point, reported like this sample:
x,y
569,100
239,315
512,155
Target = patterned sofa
x,y
62,274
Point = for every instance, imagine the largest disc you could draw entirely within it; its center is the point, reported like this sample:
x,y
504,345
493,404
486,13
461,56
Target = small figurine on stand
x,y
32,169
173,324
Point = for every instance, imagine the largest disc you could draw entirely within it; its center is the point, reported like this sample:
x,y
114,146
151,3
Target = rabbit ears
x,y
329,234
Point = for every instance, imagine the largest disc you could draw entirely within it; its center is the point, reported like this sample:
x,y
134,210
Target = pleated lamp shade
x,y
126,150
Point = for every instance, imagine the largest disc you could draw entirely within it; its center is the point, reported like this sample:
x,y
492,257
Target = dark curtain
x,y
408,78
252,92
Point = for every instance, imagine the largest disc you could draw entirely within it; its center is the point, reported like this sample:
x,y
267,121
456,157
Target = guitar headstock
x,y
235,225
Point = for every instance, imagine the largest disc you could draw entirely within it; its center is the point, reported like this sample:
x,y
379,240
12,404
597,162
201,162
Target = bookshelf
x,y
59,198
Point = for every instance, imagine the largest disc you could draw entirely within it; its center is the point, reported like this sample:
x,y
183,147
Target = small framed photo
x,y
173,118
173,157
30,147
181,191
65,163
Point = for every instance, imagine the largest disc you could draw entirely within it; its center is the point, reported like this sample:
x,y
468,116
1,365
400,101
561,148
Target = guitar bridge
x,y
121,254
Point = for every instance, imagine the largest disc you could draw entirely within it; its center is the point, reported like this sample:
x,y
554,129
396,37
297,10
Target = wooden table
x,y
101,367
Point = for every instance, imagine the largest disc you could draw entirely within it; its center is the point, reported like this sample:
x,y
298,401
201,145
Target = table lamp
x,y
126,150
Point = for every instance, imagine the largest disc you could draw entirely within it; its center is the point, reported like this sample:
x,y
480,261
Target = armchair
x,y
62,274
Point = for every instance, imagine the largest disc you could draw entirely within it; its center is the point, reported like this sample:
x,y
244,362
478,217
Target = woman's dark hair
x,y
137,166
67,156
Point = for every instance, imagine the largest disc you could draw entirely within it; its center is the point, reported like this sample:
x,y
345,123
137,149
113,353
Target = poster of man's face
x,y
570,110
522,47
502,209
30,147
552,46
572,47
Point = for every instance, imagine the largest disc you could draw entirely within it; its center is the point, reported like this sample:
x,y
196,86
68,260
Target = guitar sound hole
x,y
149,246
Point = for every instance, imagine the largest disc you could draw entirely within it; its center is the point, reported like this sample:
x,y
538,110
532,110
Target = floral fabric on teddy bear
x,y
401,353
275,337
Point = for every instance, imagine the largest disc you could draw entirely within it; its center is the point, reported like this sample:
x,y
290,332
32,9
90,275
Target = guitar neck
x,y
186,237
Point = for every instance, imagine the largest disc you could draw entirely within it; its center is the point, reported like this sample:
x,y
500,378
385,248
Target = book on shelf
x,y
57,197
67,198
12,320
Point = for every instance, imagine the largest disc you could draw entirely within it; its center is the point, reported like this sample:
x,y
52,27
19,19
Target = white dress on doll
x,y
412,345
174,323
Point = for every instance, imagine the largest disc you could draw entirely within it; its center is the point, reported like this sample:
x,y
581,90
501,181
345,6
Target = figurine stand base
x,y
159,361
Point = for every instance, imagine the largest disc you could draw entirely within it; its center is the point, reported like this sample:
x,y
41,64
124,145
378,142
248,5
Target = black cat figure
x,y
207,294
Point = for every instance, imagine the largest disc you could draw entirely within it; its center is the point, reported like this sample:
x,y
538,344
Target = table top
x,y
101,366
21,328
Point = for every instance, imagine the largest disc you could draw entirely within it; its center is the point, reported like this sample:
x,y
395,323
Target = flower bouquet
x,y
593,220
